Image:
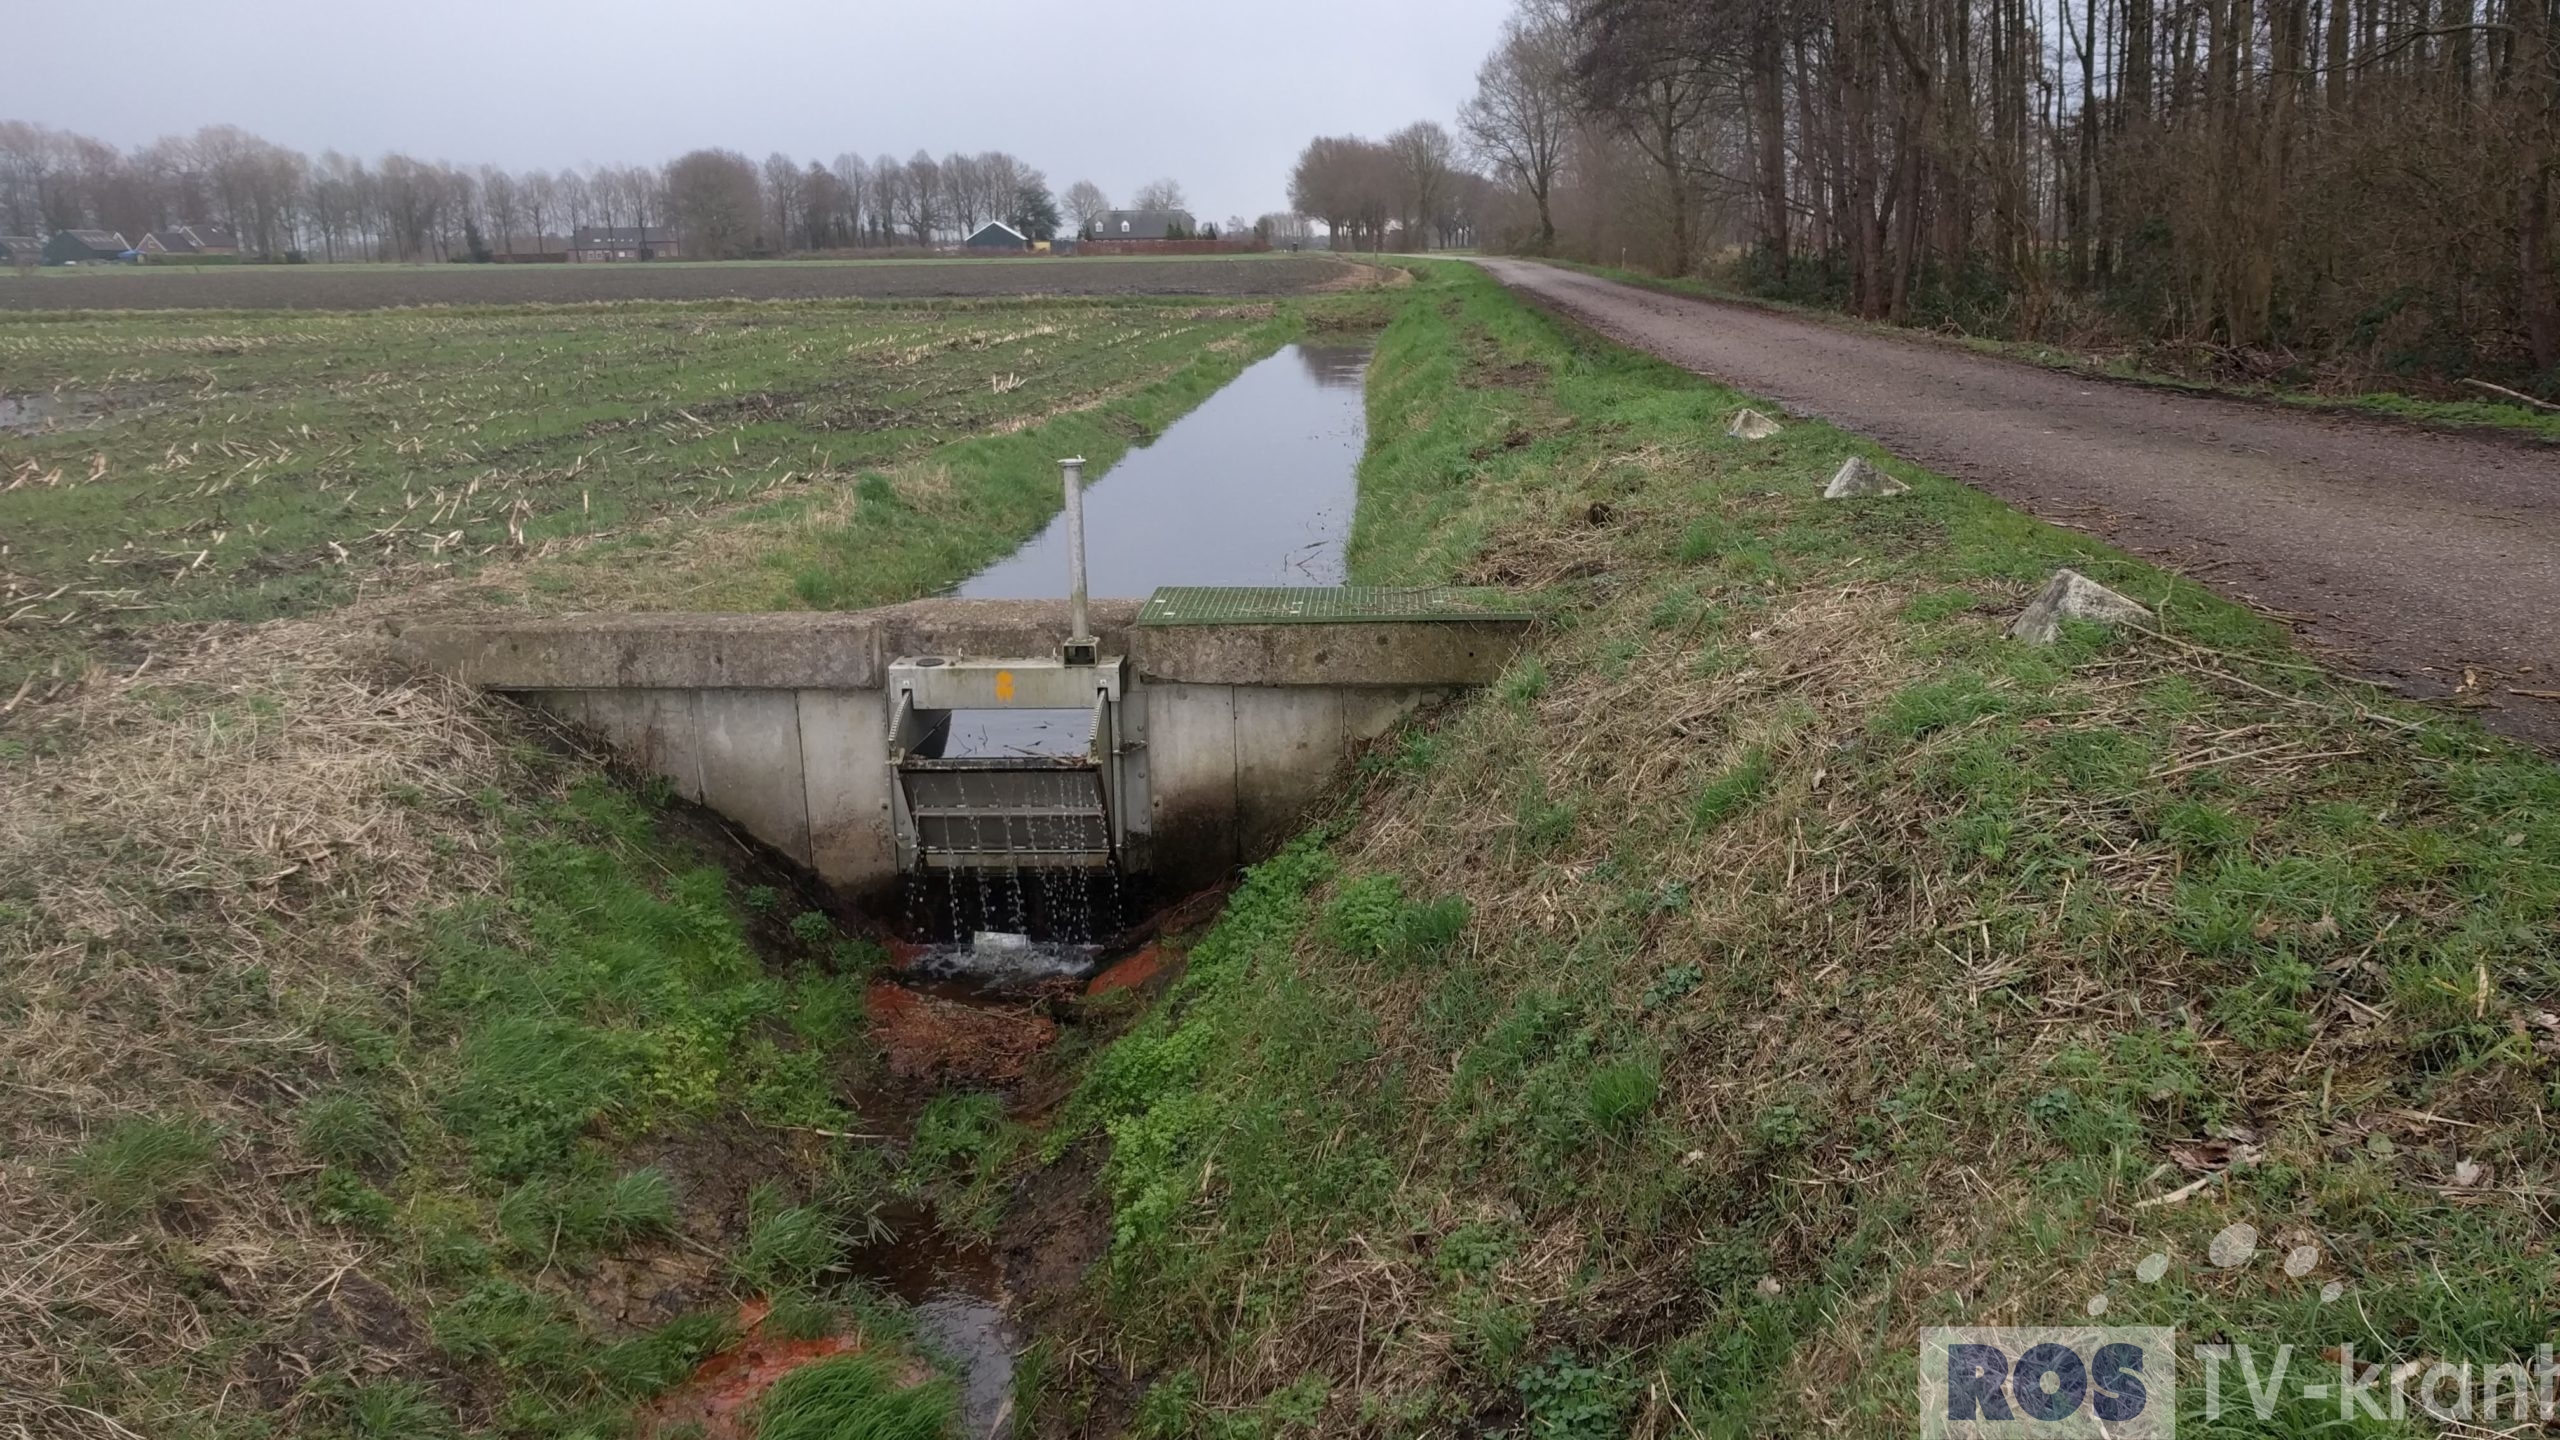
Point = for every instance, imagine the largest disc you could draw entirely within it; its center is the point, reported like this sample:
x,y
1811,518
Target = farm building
x,y
623,242
1145,225
84,247
188,240
21,250
996,235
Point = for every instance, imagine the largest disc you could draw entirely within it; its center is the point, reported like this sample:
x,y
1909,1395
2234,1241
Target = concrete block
x,y
844,759
1191,779
1750,424
1355,652
751,768
658,731
653,651
2072,595
1368,714
569,707
1859,480
997,629
1289,742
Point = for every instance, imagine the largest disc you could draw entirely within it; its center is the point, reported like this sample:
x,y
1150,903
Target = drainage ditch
x,y
1255,487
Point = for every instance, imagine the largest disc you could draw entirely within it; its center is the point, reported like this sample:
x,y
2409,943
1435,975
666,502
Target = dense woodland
x,y
281,203
2335,190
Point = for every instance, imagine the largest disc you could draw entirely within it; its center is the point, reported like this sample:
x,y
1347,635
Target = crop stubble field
x,y
364,287
210,466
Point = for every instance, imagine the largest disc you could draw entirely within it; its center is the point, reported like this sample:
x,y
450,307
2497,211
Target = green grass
x,y
854,1397
788,1247
1835,966
139,1163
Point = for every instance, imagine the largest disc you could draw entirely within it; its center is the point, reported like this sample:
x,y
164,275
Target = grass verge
x,y
1780,960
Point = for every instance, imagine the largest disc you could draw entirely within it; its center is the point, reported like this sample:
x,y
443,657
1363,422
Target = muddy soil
x,y
280,287
2428,562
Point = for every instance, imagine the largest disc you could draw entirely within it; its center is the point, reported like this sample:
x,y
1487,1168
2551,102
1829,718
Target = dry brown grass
x,y
205,864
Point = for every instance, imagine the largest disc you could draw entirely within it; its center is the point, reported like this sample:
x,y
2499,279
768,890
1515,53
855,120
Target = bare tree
x,y
1086,204
920,198
889,198
781,199
1160,195
1426,166
714,199
1651,68
855,193
1349,183
1522,111
499,196
821,205
540,194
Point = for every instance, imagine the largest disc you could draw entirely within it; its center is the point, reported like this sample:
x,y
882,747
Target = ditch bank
x,y
1783,959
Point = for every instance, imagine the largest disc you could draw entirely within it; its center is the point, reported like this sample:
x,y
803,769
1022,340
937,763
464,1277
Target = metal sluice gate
x,y
1007,811
1044,807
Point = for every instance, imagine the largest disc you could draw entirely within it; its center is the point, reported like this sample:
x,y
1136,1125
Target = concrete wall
x,y
779,722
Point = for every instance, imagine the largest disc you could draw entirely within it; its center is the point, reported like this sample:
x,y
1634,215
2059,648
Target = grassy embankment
x,y
1780,960
2481,412
375,1069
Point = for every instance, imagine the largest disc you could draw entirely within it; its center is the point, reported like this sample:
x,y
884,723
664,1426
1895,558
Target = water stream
x,y
1255,487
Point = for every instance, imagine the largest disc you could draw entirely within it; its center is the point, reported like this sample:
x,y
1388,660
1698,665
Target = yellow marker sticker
x,y
1004,684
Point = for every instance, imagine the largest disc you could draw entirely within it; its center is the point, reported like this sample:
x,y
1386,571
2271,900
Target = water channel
x,y
1255,487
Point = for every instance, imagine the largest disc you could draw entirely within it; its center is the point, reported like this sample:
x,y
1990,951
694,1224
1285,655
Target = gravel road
x,y
2410,557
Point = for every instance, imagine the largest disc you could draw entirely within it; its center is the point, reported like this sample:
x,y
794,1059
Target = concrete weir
x,y
1233,711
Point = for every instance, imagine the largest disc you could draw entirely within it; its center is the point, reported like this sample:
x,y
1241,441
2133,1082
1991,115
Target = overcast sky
x,y
1215,93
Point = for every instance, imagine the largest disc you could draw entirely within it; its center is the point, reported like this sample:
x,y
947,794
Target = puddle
x,y
32,412
953,1293
1256,487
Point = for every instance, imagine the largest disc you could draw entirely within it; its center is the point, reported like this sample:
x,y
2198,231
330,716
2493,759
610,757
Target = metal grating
x,y
1318,605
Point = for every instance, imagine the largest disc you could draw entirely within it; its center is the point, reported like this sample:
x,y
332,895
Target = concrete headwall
x,y
780,722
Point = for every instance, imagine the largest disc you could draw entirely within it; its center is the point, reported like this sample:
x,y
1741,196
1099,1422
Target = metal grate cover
x,y
1326,604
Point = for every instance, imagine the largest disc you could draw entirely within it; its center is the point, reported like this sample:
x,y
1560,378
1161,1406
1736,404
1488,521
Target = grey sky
x,y
1217,94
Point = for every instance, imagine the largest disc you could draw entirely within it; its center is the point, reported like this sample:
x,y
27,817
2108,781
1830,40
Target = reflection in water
x,y
1334,367
956,1292
1255,487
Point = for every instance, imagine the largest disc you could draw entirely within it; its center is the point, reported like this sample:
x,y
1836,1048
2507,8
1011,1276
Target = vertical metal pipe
x,y
1074,480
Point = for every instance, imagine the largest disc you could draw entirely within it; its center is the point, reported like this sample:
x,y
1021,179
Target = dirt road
x,y
2410,556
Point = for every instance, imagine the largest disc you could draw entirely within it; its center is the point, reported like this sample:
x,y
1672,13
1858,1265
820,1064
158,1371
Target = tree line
x,y
713,203
1416,186
2330,188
